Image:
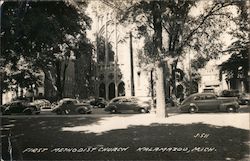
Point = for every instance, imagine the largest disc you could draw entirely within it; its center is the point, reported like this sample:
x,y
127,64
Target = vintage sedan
x,y
41,103
98,102
19,107
71,106
244,99
125,104
208,102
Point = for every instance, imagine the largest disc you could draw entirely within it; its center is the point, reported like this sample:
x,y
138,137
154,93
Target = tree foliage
x,y
182,29
237,66
46,34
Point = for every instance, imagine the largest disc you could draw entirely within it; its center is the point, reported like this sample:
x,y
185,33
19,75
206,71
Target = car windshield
x,y
115,100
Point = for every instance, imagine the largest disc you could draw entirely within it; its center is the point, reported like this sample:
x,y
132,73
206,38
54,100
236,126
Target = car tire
x,y
142,110
192,109
101,106
231,109
113,110
81,111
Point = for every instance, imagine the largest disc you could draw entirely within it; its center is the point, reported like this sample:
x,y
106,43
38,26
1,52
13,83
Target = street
x,y
99,136
100,111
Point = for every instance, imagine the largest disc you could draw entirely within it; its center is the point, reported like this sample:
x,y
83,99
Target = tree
x,y
183,30
46,34
237,66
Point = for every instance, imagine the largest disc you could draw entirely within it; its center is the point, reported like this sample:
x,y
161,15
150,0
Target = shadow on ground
x,y
139,142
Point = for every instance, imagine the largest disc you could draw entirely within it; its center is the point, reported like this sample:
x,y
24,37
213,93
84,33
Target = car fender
x,y
27,109
193,104
81,107
110,107
223,106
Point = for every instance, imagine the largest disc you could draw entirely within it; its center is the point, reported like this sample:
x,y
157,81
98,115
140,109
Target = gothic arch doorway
x,y
102,91
111,90
121,89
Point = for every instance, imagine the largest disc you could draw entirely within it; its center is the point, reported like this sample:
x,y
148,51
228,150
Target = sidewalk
x,y
236,120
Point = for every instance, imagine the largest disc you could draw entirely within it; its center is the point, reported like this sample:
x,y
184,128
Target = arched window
x,y
102,91
111,90
121,89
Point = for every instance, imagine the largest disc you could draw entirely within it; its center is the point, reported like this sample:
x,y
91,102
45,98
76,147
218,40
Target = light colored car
x,y
209,102
122,104
41,103
71,106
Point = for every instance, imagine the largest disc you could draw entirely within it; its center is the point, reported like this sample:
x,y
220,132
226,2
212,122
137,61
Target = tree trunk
x,y
160,91
58,79
157,40
64,76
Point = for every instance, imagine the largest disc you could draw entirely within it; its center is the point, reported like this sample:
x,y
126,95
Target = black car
x,y
244,99
124,104
19,107
98,102
230,93
71,106
201,102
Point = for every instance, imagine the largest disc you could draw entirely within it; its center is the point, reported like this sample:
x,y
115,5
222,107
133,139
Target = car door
x,y
130,104
117,102
69,105
16,107
198,101
124,104
210,103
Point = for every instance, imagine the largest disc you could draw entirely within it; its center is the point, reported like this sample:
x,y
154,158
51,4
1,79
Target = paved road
x,y
97,112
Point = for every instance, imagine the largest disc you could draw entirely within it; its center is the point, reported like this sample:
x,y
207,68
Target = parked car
x,y
122,104
99,102
208,102
230,93
42,103
244,99
71,106
19,107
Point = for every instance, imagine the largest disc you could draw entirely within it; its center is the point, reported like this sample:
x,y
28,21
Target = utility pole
x,y
116,59
97,59
131,64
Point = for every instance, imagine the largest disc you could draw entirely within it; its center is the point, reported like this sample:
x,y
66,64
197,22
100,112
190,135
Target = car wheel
x,y
192,109
101,105
142,110
113,111
81,111
231,109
